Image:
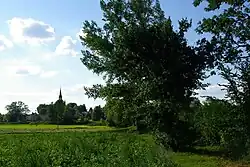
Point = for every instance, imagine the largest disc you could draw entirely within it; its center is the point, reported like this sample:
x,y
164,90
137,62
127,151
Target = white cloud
x,y
30,31
212,90
26,70
13,67
48,74
66,46
5,43
16,67
76,87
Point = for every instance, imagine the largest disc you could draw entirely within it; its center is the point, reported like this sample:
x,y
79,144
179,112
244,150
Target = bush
x,y
236,143
181,137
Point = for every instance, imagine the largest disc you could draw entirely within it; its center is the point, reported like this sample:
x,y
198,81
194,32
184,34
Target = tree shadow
x,y
208,152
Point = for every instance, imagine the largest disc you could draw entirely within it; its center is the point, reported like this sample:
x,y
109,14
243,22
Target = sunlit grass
x,y
197,160
78,149
26,128
46,126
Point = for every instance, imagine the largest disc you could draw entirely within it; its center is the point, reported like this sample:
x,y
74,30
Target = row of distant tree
x,y
61,113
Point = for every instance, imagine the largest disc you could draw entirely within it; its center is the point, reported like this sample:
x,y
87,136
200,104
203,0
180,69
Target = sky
x,y
40,49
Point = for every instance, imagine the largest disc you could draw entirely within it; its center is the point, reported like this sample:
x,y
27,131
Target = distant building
x,y
59,108
60,95
60,100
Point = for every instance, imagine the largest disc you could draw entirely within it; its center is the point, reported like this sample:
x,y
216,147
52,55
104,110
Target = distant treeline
x,y
54,113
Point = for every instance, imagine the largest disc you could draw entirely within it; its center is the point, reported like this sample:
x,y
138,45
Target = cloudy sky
x,y
40,49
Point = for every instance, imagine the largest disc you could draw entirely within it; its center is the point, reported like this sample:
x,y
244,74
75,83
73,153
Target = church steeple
x,y
60,95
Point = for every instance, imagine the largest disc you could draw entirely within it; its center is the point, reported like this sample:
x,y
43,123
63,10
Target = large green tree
x,y
17,111
145,62
42,109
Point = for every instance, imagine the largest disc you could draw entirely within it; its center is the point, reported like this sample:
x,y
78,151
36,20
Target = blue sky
x,y
40,49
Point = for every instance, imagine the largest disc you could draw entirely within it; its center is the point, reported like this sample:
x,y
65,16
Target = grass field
x,y
23,128
48,126
77,149
81,146
196,160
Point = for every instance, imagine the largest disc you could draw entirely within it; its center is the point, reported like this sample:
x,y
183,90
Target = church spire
x,y
60,94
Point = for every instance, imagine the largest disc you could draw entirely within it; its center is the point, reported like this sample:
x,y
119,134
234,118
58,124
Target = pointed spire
x,y
60,94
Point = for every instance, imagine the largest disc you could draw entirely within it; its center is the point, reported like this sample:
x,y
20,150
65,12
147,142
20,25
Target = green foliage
x,y
52,112
222,123
89,113
59,109
16,111
215,4
230,31
70,114
149,69
61,113
230,47
237,138
117,113
1,117
97,114
42,109
81,149
82,109
212,119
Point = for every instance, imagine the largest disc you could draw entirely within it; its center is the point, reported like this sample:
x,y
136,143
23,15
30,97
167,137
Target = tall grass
x,y
78,149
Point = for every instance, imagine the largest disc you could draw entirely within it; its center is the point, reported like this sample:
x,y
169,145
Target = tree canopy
x,y
16,111
146,64
230,30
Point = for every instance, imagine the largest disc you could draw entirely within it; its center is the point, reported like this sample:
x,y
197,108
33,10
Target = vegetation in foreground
x,y
152,73
81,149
97,149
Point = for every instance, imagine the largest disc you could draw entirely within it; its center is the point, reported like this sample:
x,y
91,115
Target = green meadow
x,y
80,149
48,126
81,145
